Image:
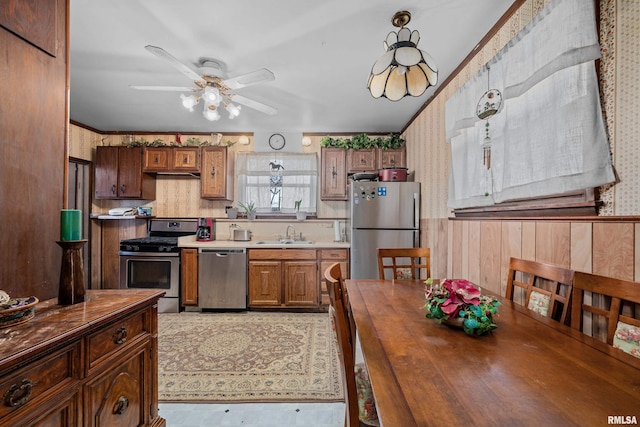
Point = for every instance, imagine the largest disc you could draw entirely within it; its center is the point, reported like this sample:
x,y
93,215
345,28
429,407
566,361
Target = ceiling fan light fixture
x,y
212,95
403,70
190,101
234,110
210,113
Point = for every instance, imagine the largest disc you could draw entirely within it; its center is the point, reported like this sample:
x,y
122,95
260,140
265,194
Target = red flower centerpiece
x,y
459,300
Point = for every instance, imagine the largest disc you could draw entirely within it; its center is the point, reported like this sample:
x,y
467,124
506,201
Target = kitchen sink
x,y
284,242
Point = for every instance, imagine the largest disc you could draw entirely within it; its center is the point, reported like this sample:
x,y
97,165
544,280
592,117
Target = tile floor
x,y
253,414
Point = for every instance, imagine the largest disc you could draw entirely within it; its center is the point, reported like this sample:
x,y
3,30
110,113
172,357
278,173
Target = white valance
x,y
549,137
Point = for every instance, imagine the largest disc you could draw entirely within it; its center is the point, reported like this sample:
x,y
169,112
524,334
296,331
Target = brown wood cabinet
x,y
189,276
171,160
392,158
337,164
118,172
362,160
285,278
333,174
327,258
216,178
99,368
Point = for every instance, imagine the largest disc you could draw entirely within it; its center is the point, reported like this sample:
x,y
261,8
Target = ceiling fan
x,y
213,88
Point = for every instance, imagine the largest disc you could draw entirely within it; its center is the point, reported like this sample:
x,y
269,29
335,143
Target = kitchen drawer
x,y
113,338
29,388
338,254
282,254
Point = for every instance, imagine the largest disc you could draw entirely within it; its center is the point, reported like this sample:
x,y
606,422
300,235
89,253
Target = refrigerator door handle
x,y
416,210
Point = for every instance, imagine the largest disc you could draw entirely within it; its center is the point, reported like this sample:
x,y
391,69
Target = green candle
x,y
70,224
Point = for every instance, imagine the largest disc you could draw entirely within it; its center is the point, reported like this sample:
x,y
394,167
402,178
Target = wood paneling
x,y
33,125
511,247
474,252
613,250
33,20
610,248
581,246
490,233
553,243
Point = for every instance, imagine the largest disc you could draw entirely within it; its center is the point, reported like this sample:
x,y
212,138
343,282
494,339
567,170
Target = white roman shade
x,y
549,137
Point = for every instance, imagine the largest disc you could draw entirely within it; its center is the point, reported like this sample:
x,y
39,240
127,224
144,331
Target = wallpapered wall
x,y
428,150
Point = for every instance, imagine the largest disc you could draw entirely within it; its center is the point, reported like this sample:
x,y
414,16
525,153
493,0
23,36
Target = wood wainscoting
x,y
479,249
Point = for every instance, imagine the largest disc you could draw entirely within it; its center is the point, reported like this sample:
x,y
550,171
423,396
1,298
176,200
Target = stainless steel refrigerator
x,y
381,215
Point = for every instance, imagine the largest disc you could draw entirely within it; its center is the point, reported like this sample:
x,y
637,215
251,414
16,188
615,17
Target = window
x,y
275,181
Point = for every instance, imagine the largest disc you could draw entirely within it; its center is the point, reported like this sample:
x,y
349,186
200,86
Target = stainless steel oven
x,y
153,270
153,262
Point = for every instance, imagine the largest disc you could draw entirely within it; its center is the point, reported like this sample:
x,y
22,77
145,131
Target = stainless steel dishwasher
x,y
222,279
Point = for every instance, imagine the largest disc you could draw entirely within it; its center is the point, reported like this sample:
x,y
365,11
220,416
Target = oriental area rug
x,y
247,357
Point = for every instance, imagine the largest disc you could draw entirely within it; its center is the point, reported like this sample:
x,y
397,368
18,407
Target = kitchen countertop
x,y
190,242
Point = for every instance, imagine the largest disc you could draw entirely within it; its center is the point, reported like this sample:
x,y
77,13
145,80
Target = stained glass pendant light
x,y
403,70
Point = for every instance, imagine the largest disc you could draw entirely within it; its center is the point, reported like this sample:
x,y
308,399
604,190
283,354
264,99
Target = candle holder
x,y
71,290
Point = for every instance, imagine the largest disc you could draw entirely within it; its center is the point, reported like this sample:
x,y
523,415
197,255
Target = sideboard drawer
x,y
102,344
31,386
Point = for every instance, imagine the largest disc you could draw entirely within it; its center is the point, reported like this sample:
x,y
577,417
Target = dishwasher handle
x,y
222,252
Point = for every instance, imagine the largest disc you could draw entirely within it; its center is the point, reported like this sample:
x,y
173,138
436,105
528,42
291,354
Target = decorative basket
x,y
17,310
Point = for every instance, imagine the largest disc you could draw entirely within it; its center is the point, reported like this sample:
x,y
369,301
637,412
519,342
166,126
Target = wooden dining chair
x,y
545,288
404,263
607,309
359,404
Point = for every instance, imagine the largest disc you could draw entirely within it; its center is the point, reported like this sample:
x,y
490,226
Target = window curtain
x,y
549,136
297,175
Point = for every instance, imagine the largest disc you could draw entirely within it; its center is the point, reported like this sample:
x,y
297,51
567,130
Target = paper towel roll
x,y
336,230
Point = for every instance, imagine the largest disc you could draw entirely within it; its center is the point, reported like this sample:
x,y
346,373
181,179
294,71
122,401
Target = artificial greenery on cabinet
x,y
363,141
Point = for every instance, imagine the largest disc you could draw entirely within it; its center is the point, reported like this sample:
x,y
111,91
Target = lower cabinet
x,y
286,278
189,277
89,364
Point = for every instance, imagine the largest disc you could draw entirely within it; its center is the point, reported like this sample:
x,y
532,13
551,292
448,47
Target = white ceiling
x,y
320,51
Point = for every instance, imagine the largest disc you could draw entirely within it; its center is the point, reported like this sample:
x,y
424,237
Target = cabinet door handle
x,y
19,394
213,171
122,187
121,406
362,161
392,161
184,160
156,160
113,189
120,336
333,172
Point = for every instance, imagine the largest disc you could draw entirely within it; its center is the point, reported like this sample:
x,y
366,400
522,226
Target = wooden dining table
x,y
530,371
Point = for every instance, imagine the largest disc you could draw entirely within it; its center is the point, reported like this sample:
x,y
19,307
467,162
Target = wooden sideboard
x,y
89,364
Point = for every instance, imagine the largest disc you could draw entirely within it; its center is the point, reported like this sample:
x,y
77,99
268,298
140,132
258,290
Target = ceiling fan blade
x,y
167,88
253,104
161,53
259,76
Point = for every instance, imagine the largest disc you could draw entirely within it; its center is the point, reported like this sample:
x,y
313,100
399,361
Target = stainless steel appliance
x,y
153,262
222,279
381,215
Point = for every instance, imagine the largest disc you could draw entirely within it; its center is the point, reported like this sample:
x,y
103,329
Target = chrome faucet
x,y
287,233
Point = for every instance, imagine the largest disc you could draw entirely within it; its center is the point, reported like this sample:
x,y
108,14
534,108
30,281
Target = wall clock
x,y
276,141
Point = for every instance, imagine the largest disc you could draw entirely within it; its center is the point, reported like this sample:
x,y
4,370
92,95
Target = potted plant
x,y
300,216
249,209
232,213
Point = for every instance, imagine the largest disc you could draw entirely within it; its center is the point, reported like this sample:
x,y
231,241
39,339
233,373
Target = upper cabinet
x,y
119,174
333,174
337,164
171,160
362,160
392,158
216,178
